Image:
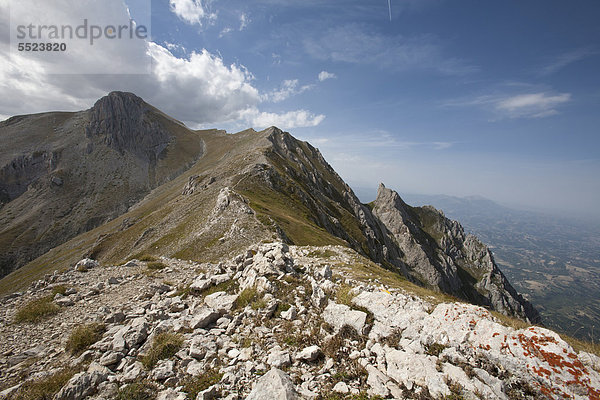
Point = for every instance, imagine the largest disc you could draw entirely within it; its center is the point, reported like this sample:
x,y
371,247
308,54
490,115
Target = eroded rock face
x,y
400,345
121,120
438,253
17,175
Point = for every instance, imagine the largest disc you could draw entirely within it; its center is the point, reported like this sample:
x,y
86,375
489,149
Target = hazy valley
x,y
552,259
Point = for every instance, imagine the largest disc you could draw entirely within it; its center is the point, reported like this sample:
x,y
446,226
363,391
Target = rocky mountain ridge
x,y
274,322
419,242
121,148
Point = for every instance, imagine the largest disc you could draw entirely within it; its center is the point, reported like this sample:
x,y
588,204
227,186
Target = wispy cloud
x,y
286,120
288,89
532,105
377,141
356,44
174,47
324,75
191,11
276,58
225,31
244,21
566,59
524,105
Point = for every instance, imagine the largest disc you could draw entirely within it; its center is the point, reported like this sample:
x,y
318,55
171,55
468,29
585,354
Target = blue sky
x,y
499,99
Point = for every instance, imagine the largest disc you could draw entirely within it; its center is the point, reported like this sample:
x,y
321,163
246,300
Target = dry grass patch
x,y
582,345
59,289
37,310
434,349
156,265
165,345
192,385
230,287
137,391
83,337
182,291
43,388
251,297
363,269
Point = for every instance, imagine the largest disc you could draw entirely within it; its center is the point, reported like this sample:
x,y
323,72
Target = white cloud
x,y
324,75
566,59
288,89
276,58
287,120
175,47
378,140
191,11
528,105
442,145
355,44
244,21
532,105
198,88
225,31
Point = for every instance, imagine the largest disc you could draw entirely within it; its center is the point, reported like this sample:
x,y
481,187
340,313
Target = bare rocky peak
x,y
63,174
125,122
438,253
420,243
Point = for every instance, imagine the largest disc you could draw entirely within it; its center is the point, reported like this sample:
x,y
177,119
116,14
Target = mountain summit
x,y
62,174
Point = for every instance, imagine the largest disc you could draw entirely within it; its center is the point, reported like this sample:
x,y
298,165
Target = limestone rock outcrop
x,y
437,252
372,339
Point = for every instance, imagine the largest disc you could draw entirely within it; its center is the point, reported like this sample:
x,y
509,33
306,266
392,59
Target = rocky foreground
x,y
276,322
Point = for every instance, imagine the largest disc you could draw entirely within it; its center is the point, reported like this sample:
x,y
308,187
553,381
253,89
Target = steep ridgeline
x,y
437,252
307,199
62,174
